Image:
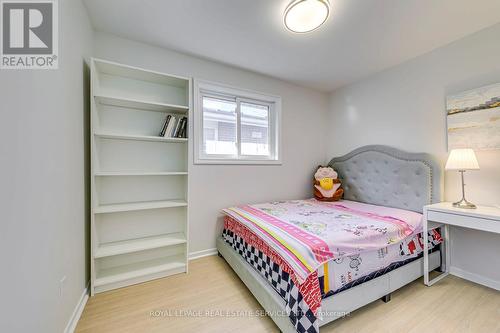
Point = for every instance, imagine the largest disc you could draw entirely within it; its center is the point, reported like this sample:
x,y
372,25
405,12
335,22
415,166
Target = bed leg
x,y
386,298
220,255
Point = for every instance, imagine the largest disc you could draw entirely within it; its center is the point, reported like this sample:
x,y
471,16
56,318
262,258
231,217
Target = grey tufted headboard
x,y
387,176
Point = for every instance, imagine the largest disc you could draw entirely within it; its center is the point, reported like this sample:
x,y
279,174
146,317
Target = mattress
x,y
345,272
309,250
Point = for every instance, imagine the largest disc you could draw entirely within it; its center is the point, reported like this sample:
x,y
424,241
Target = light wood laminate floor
x,y
452,305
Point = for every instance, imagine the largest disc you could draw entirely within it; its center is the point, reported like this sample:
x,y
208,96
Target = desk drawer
x,y
464,221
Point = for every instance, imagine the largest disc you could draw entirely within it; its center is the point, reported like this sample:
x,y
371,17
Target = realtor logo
x,y
29,35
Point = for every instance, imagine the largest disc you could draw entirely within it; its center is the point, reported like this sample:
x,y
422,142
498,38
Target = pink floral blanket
x,y
308,233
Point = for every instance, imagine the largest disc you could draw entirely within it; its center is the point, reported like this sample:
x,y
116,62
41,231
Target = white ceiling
x,y
361,37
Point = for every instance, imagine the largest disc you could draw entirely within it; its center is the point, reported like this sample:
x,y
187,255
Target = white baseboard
x,y
475,278
75,316
203,253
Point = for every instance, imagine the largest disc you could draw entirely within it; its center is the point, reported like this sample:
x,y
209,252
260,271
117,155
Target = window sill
x,y
236,162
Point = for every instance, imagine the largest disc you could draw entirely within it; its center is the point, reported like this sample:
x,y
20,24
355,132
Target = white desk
x,y
484,218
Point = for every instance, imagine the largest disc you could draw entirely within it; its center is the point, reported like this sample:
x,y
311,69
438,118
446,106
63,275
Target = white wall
x,y
213,187
404,107
42,186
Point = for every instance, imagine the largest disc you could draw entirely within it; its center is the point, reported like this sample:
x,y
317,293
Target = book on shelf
x,y
170,127
185,131
174,127
182,129
165,124
177,127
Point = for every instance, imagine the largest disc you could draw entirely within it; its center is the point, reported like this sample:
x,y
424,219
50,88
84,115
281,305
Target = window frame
x,y
209,89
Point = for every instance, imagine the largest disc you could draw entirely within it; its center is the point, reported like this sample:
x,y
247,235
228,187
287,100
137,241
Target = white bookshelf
x,y
139,185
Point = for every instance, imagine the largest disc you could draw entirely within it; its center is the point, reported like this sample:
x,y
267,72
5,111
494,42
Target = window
x,y
234,126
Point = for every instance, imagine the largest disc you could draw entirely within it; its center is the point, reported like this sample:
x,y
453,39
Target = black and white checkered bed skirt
x,y
298,311
300,315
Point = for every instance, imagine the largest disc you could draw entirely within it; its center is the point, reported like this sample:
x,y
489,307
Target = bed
x,y
309,262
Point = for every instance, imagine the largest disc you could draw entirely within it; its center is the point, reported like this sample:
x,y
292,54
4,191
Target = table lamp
x,y
461,160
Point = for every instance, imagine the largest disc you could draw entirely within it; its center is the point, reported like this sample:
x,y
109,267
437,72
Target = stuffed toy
x,y
326,185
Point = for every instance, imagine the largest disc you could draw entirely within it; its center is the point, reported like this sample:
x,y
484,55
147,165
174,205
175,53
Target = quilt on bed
x,y
296,244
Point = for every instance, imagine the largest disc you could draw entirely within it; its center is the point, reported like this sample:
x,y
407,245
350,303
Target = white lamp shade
x,y
462,159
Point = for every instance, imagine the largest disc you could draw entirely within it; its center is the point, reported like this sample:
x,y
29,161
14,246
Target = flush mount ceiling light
x,y
306,15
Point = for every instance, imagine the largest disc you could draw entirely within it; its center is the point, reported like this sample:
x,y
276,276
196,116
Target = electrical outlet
x,y
62,282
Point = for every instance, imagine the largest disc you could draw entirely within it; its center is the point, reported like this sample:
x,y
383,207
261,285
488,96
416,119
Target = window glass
x,y
219,127
254,129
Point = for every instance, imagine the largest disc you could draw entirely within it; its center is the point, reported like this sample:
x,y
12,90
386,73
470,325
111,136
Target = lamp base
x,y
464,204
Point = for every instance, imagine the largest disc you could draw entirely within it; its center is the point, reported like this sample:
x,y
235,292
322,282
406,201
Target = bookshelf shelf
x,y
139,244
137,272
145,205
117,136
140,104
138,173
139,188
106,67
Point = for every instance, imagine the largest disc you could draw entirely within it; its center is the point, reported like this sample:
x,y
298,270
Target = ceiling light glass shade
x,y
306,15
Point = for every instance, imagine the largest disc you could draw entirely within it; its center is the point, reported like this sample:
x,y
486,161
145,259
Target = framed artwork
x,y
473,118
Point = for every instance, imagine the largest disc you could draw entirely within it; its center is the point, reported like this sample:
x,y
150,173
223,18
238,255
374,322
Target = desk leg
x,y
445,248
426,250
